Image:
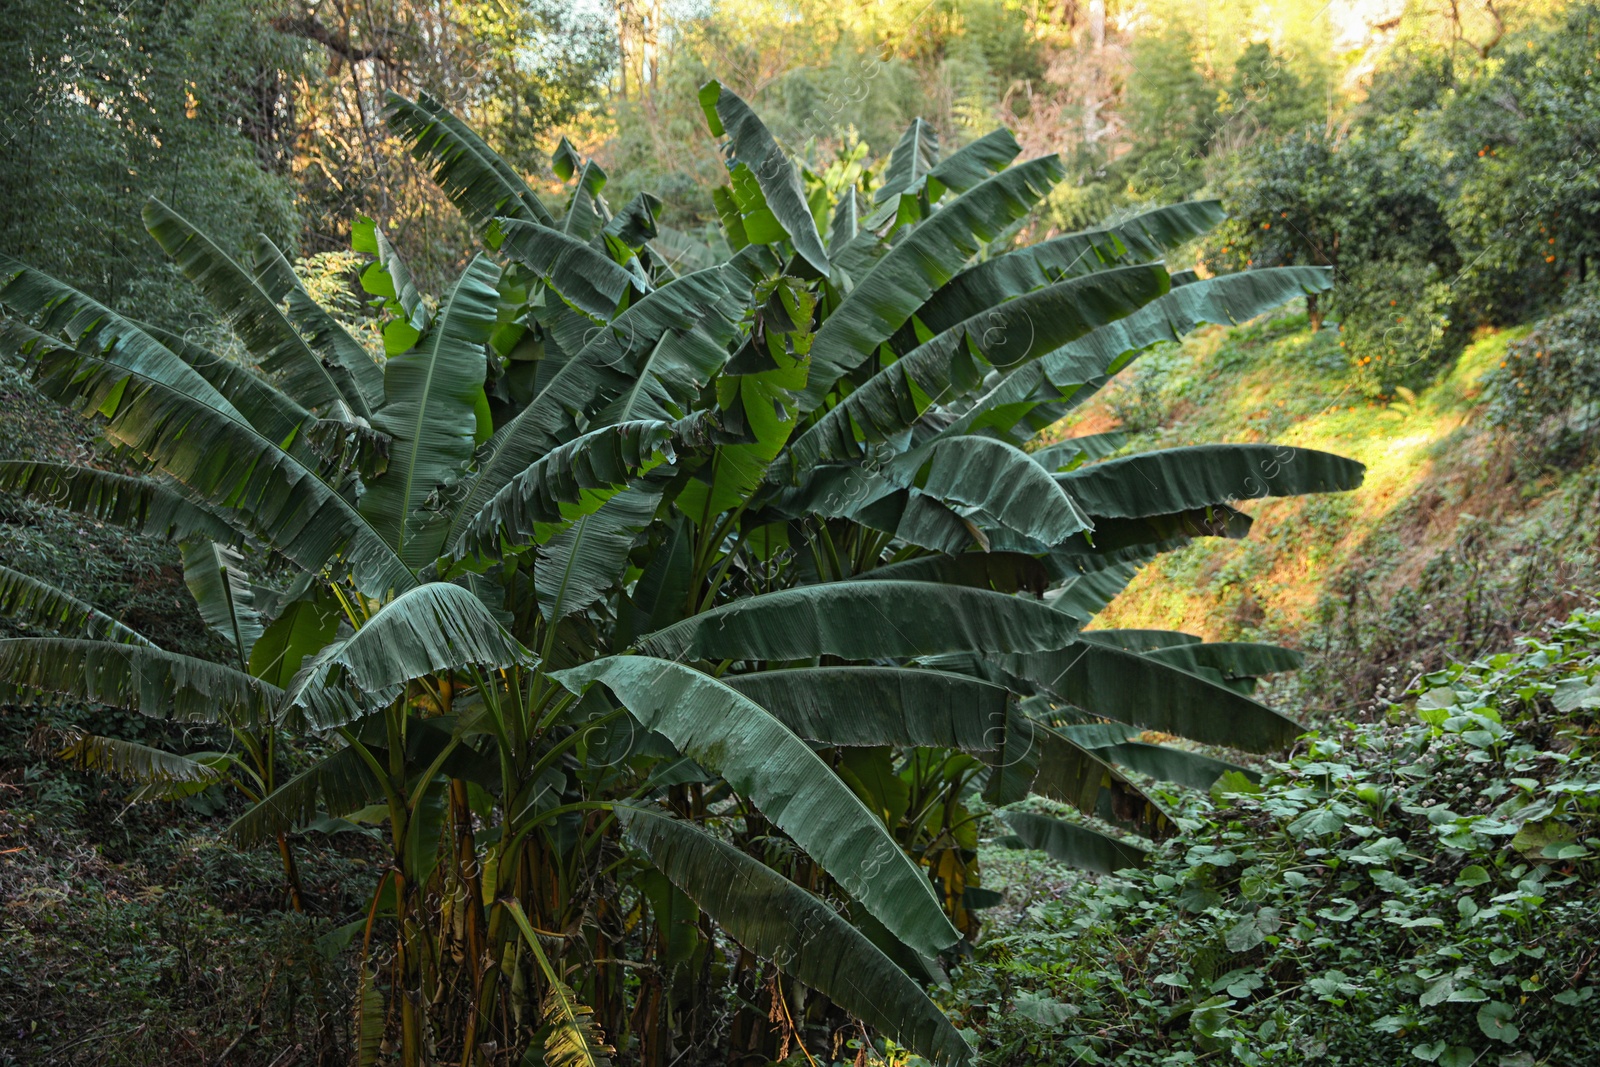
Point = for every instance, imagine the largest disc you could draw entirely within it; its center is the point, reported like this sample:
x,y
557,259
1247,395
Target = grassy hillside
x,y
1458,539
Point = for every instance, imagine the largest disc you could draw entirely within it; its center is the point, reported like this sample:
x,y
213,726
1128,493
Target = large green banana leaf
x,y
1136,640
590,281
925,260
751,146
555,487
1086,595
1076,775
34,603
433,395
429,629
137,504
337,784
988,284
160,773
777,920
1233,659
996,486
221,589
228,465
759,757
1004,572
913,157
141,678
481,185
278,416
1072,844
1069,371
1075,450
864,620
303,628
974,162
1115,541
598,374
580,564
254,315
58,308
945,366
857,706
1121,746
1175,479
1136,689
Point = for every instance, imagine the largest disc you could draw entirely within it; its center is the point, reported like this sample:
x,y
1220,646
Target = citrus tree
x,y
676,609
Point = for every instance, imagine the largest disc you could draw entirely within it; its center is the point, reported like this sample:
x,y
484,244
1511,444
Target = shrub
x,y
1419,887
1547,391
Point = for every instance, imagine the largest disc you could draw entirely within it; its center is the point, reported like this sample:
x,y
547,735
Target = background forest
x,y
1414,880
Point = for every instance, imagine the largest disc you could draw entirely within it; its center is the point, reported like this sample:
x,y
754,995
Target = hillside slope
x,y
1451,547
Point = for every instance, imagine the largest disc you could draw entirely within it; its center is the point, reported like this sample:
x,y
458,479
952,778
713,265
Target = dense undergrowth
x,y
1415,888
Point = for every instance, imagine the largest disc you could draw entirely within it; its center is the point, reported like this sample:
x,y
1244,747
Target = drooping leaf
x,y
431,628
603,370
973,163
1164,763
996,486
431,399
588,280
253,314
1233,659
1075,370
134,762
34,603
574,1039
57,308
578,565
777,920
864,620
278,416
554,488
735,738
337,784
986,285
1083,597
1074,774
1137,689
1175,479
1118,541
228,465
221,589
1072,844
478,182
856,706
1133,640
140,678
133,503
751,145
1075,450
1004,572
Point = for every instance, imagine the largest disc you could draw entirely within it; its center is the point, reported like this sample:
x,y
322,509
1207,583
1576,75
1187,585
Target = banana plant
x,y
678,629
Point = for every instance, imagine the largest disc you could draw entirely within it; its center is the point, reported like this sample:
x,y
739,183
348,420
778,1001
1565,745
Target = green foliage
x,y
1547,389
1421,886
455,592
